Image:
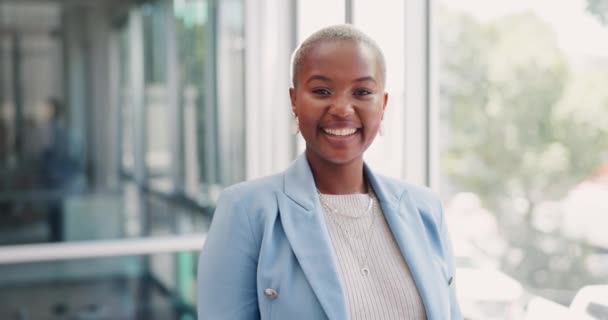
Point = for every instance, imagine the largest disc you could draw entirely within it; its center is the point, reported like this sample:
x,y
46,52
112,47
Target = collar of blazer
x,y
302,220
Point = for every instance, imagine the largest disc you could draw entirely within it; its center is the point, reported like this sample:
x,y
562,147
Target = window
x,y
208,40
524,148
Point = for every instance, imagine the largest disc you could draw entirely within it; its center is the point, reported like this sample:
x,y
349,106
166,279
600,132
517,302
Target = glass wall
x,y
96,288
167,76
41,154
207,117
126,111
156,94
195,32
230,80
524,149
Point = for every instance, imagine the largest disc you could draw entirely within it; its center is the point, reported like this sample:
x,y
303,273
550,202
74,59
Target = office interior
x,y
121,121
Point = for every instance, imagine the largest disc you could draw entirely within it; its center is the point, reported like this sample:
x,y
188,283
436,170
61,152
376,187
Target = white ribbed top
x,y
388,291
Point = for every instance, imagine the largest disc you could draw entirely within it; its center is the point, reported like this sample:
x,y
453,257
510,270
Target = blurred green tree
x,y
523,127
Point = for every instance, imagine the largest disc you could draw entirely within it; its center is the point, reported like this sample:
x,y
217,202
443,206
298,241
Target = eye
x,y
362,92
321,92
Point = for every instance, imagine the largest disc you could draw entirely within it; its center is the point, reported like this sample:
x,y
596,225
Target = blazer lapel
x,y
404,221
302,220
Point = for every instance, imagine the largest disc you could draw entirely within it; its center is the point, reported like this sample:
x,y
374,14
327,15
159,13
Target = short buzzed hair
x,y
340,32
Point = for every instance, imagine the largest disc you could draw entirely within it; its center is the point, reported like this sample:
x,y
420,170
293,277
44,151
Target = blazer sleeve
x,y
455,312
228,263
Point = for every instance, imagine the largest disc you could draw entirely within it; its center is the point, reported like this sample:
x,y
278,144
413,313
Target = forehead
x,y
340,59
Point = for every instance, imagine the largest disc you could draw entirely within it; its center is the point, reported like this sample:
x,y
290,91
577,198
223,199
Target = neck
x,y
332,178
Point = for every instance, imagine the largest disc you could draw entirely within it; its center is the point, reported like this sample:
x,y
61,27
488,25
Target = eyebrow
x,y
367,78
324,78
317,77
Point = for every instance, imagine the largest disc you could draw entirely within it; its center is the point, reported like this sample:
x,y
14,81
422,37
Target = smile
x,y
340,132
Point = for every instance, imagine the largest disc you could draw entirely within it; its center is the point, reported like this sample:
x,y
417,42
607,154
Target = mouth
x,y
340,132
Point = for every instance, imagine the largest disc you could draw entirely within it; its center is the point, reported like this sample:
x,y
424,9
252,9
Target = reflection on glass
x,y
97,216
158,153
42,150
231,91
524,118
211,55
52,79
196,55
125,106
133,287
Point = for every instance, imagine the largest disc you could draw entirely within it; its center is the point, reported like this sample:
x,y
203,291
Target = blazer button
x,y
270,293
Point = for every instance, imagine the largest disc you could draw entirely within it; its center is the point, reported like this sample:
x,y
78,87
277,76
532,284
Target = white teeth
x,y
340,132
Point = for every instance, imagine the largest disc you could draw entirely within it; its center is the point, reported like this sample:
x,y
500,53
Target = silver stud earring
x,y
295,126
381,131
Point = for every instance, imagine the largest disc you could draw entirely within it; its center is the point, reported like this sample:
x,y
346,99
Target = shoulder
x,y
421,194
245,206
255,199
423,198
253,189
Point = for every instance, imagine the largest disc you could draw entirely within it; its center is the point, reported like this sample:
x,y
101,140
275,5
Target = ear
x,y
384,103
292,97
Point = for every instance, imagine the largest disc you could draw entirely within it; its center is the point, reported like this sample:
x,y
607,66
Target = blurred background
x,y
121,121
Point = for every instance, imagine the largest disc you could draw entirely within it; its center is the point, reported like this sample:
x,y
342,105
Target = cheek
x,y
371,113
308,127
307,120
309,112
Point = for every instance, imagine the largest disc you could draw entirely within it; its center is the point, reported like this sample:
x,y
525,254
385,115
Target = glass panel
x,y
524,150
99,288
125,107
42,153
78,217
195,37
42,190
7,111
158,153
210,37
231,91
38,148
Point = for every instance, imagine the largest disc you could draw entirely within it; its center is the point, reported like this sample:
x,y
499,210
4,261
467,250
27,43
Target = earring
x,y
381,131
295,126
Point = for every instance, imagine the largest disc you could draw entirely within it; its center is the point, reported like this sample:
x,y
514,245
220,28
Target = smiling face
x,y
339,100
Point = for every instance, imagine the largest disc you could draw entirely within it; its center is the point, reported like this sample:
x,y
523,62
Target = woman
x,y
328,238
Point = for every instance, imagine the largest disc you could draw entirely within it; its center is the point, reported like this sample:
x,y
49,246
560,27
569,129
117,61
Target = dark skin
x,y
339,99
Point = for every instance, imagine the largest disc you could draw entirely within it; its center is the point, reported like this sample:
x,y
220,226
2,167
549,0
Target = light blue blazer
x,y
268,254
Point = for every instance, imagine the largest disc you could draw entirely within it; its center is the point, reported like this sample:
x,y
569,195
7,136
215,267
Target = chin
x,y
337,158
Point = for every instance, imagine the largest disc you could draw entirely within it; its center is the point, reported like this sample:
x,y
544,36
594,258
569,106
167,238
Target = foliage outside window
x,y
525,149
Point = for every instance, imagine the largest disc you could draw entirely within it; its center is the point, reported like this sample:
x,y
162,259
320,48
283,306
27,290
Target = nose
x,y
342,106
